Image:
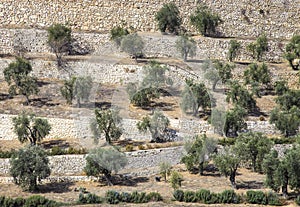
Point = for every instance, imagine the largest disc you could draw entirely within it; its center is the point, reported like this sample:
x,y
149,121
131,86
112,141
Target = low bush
x,y
273,199
256,197
154,196
228,196
89,198
189,197
203,196
137,197
178,195
112,197
33,201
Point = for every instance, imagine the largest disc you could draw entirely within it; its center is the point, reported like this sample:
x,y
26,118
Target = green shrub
x,y
178,195
6,154
117,33
112,197
233,49
138,197
256,197
37,201
168,18
154,196
273,199
90,198
298,200
56,150
189,196
203,196
125,197
228,196
214,198
176,179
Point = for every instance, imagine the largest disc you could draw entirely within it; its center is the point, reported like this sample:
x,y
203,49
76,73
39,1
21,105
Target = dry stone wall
x,y
156,45
70,165
243,18
78,128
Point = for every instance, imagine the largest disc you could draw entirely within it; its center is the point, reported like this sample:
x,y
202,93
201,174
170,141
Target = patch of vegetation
x,y
205,21
259,47
168,18
32,201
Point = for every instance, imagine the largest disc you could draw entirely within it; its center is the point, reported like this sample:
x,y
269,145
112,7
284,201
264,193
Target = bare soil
x,y
65,192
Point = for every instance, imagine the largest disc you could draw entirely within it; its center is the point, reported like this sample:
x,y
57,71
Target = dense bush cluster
x,y
33,201
227,196
207,197
114,197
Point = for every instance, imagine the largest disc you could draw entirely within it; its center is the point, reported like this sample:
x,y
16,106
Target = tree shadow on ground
x,y
122,180
4,96
40,102
51,143
249,185
93,105
123,143
56,187
42,83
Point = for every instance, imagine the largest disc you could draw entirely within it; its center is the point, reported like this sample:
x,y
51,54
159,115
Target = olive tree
x,y
18,78
220,71
286,116
151,87
239,95
194,96
78,88
117,33
235,121
227,161
205,21
133,44
287,121
29,166
59,39
30,128
107,122
186,46
67,90
168,18
292,52
259,47
258,77
104,161
82,89
253,147
157,125
198,152
165,169
233,50
283,172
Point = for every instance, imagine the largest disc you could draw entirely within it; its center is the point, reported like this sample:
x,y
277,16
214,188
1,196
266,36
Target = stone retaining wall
x,y
138,162
78,128
156,45
69,168
277,18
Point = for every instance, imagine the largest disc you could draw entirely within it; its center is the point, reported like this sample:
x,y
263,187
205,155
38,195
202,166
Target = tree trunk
x,y
214,85
107,178
201,168
254,164
232,179
185,57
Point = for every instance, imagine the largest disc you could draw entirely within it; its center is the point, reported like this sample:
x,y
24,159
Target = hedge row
x,y
227,196
33,201
114,197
